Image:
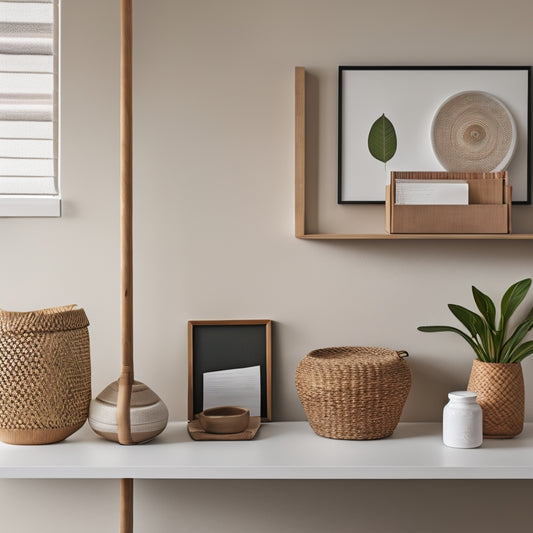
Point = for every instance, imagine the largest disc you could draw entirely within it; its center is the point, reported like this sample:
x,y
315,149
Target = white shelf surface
x,y
280,450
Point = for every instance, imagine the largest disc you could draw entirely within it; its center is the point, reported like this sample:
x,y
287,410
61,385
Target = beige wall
x,y
214,161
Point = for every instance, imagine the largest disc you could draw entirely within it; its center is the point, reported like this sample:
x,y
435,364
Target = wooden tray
x,y
196,431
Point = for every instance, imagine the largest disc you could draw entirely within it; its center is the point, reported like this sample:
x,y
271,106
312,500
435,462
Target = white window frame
x,y
41,205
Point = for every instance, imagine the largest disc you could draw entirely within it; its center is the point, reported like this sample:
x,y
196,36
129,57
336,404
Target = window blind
x,y
28,97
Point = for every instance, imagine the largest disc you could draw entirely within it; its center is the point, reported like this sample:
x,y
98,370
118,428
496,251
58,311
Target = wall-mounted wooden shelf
x,y
413,236
301,190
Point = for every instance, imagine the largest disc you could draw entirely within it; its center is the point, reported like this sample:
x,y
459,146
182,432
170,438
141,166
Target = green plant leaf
x,y
382,141
499,337
512,299
515,339
486,307
490,344
472,321
521,352
477,349
487,341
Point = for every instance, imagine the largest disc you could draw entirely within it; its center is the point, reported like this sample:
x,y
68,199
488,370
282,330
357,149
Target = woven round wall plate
x,y
473,131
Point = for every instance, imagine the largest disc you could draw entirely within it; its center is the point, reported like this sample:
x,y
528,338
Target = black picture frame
x,y
350,157
228,344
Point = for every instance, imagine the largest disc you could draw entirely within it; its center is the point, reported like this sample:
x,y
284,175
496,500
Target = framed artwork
x,y
230,364
462,119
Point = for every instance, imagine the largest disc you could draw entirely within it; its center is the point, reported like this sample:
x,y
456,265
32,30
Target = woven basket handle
x,y
402,354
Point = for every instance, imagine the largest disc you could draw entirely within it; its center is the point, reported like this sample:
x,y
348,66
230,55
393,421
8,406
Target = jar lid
x,y
463,395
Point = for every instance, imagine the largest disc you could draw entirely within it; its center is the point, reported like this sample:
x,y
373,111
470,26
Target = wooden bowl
x,y
227,419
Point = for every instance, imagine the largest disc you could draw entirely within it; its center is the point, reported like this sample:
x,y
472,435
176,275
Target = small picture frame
x,y
224,348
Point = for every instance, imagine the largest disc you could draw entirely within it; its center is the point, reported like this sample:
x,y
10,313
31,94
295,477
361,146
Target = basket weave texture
x,y
45,374
355,393
500,392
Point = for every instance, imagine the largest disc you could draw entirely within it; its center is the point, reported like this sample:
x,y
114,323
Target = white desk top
x,y
281,450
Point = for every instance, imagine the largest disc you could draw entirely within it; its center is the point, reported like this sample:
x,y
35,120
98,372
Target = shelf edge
x,y
415,236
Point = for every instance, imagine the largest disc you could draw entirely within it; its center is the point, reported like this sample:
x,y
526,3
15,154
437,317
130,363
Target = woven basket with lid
x,y
45,374
355,393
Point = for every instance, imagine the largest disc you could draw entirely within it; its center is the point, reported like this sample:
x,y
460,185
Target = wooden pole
x,y
125,381
126,506
299,128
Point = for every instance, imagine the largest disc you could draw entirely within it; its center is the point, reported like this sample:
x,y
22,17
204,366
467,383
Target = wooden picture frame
x,y
410,97
228,344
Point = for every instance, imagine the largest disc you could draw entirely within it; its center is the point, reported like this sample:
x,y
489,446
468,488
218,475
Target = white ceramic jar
x,y
462,421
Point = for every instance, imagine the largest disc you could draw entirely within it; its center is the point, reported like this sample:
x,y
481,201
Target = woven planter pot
x,y
353,392
45,374
500,392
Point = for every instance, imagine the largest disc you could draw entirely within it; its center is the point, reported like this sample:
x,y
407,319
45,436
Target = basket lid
x,y
62,318
358,355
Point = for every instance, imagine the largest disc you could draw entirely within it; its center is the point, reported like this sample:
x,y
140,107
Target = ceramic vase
x,y
148,413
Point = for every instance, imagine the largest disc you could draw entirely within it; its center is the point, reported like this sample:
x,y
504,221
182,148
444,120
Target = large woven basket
x,y
500,392
353,392
45,374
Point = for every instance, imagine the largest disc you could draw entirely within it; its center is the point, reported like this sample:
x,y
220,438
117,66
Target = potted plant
x,y
496,374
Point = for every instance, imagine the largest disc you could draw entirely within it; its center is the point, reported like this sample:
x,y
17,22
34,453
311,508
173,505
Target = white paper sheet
x,y
238,386
431,192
